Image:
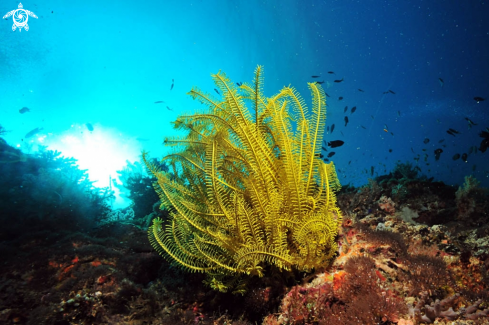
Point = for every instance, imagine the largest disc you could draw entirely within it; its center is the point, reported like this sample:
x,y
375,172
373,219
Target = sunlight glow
x,y
102,152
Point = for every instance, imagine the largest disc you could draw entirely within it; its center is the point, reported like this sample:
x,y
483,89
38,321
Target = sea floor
x,y
411,252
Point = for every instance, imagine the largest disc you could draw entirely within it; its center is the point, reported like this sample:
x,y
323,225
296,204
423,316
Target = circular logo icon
x,y
20,18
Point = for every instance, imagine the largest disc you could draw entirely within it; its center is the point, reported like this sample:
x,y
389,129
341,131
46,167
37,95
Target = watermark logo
x,y
20,17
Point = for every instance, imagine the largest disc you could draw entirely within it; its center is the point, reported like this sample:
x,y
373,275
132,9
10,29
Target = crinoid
x,y
248,191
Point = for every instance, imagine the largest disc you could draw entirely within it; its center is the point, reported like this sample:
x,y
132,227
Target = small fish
x,y
372,170
464,157
346,120
24,110
477,99
392,92
331,154
353,109
89,127
339,80
327,129
399,113
320,82
385,126
472,150
426,140
385,92
168,108
385,130
32,133
332,128
346,108
372,117
335,143
360,90
321,156
440,80
450,132
315,76
239,84
331,72
453,131
326,159
392,134
340,98
390,150
470,122
159,102
363,127
327,94
456,156
324,148
441,140
172,83
217,91
437,154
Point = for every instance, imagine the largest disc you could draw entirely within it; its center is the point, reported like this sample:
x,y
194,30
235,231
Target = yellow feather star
x,y
248,190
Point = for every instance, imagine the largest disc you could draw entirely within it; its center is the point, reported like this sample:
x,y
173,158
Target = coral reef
x,y
472,201
248,193
47,191
386,204
136,185
434,273
359,201
387,271
351,296
444,309
379,279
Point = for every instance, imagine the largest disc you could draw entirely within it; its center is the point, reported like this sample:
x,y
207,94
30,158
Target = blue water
x,y
107,62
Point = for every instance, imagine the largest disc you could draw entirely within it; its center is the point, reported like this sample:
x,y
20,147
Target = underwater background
x,y
91,84
107,63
